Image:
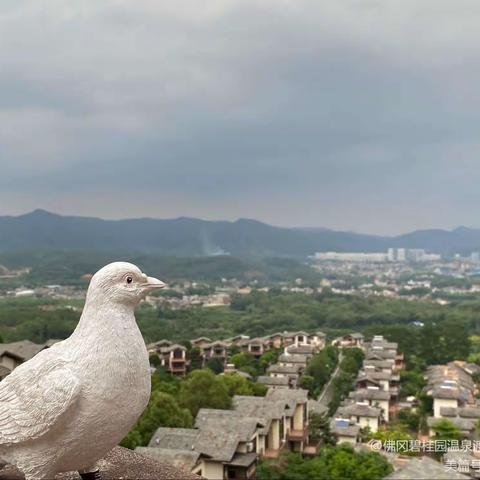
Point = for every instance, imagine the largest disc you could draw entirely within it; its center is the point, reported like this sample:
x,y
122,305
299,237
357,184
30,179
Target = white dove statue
x,y
72,403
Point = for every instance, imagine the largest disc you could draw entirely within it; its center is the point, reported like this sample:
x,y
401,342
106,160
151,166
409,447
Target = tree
x,y
455,339
203,389
195,358
241,360
409,419
268,358
319,429
412,382
154,360
337,462
162,411
394,433
445,430
307,382
216,365
236,384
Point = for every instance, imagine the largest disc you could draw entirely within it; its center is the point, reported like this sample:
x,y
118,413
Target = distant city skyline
x,y
354,116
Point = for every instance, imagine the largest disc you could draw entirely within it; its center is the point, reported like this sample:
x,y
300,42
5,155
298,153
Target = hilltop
x,y
45,231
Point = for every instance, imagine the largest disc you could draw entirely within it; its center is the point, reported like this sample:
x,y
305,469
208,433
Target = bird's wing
x,y
34,397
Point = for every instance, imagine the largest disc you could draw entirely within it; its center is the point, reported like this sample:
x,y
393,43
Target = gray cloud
x,y
358,115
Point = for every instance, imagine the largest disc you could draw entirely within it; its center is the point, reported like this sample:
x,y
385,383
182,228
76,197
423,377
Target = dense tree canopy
x,y
332,463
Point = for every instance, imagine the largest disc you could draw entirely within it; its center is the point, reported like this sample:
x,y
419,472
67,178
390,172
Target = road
x,y
326,394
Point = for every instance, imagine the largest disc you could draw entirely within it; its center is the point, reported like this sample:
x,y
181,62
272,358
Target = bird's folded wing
x,y
33,400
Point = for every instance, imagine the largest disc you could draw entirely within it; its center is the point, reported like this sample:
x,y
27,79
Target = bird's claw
x,y
95,475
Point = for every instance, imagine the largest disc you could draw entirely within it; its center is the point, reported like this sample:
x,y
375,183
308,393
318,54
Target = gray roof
x,y
278,381
283,369
290,397
367,378
24,349
200,339
382,354
258,407
469,412
174,438
462,457
356,335
217,434
359,410
351,430
293,358
463,424
184,459
375,375
221,431
216,343
301,349
419,468
370,394
379,363
447,393
243,459
171,348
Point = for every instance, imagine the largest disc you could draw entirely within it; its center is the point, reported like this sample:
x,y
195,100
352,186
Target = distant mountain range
x,y
44,231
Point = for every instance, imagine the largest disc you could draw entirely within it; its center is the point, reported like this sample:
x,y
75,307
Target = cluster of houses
x,y
454,393
228,443
373,401
174,357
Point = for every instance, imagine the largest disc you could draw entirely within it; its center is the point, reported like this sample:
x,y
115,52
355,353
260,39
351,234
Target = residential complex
x,y
373,402
226,444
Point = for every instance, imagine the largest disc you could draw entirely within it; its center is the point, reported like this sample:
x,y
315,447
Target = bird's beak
x,y
154,284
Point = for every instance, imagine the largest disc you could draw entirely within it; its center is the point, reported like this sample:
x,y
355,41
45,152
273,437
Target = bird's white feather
x,y
33,399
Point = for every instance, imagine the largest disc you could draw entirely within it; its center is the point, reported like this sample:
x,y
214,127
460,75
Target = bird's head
x,y
122,283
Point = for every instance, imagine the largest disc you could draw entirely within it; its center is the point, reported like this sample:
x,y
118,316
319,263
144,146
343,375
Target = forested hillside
x,y
443,336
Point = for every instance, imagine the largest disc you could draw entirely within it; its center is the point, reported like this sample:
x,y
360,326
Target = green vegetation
x,y
319,370
409,419
67,268
445,430
442,339
319,429
332,463
255,367
444,336
175,402
344,382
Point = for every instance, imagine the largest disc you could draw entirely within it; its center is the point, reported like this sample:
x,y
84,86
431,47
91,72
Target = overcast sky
x,y
359,115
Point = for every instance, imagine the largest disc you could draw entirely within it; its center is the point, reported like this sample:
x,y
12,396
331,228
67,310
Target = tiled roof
x,y
284,369
25,349
359,410
292,358
370,394
184,459
420,468
464,424
273,380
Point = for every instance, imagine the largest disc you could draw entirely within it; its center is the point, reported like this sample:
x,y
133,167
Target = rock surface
x,y
120,463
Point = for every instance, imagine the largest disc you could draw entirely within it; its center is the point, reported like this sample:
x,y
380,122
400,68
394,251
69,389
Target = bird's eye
x,y
129,280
